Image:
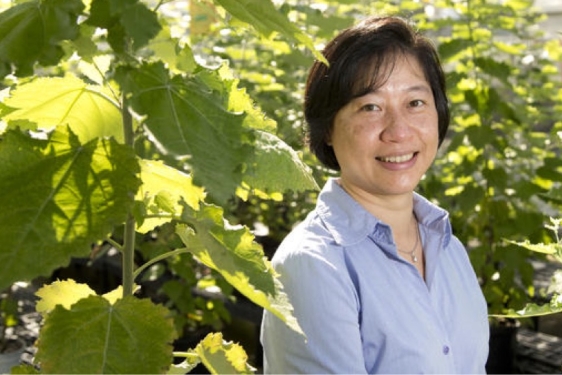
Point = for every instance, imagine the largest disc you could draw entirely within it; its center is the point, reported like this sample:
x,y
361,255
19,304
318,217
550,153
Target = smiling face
x,y
386,140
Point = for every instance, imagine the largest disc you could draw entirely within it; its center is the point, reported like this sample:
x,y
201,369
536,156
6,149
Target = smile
x,y
396,159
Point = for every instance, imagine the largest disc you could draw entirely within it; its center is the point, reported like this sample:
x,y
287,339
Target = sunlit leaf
x,y
551,248
47,102
58,197
232,252
68,292
266,19
185,366
159,181
221,357
532,309
64,293
94,336
188,118
31,32
237,99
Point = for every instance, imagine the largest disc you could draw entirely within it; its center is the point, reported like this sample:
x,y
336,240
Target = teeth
x,y
397,159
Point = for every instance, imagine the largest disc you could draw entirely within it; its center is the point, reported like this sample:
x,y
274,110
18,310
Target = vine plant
x,y
84,83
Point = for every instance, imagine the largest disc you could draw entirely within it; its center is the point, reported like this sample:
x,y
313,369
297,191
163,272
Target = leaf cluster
x,y
110,124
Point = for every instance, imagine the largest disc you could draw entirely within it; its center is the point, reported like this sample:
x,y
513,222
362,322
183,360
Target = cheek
x,y
353,138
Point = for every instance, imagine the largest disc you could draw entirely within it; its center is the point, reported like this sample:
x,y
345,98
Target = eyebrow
x,y
425,88
415,88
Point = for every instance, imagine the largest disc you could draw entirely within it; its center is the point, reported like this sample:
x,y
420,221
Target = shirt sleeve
x,y
327,308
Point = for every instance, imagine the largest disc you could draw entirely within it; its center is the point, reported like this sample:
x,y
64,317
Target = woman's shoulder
x,y
308,239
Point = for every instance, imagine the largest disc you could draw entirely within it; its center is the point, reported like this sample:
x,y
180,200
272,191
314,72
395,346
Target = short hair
x,y
362,51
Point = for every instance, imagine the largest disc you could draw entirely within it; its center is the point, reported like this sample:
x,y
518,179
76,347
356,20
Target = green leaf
x,y
187,118
48,102
58,197
266,19
237,100
277,167
160,182
554,249
24,369
186,366
449,49
64,293
124,20
241,261
31,32
532,309
499,70
93,336
221,357
551,248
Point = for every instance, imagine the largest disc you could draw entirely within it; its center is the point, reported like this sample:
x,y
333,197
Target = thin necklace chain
x,y
413,251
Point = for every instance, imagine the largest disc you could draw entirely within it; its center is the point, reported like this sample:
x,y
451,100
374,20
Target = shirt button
x,y
445,349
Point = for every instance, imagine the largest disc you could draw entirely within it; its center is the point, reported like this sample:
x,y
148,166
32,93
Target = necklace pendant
x,y
414,258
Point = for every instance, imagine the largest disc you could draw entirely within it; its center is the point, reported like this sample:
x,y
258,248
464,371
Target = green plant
x,y
113,130
554,250
501,160
499,170
9,316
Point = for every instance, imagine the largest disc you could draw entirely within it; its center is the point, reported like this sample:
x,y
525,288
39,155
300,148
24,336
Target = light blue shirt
x,y
363,308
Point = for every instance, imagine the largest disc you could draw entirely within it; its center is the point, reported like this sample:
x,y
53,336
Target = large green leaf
x,y
58,197
266,19
277,167
162,190
232,252
131,336
47,102
31,32
236,99
124,20
188,118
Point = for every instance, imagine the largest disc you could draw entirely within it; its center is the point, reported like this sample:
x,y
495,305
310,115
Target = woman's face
x,y
386,140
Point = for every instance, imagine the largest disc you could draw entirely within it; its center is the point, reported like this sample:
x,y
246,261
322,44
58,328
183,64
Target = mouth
x,y
397,158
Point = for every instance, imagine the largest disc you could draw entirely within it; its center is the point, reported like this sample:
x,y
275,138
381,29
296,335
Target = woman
x,y
378,281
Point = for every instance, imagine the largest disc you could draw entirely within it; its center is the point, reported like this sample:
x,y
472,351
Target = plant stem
x,y
128,255
158,259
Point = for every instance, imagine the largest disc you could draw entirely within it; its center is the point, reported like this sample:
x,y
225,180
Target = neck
x,y
394,210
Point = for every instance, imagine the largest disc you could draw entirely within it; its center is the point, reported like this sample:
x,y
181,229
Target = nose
x,y
397,127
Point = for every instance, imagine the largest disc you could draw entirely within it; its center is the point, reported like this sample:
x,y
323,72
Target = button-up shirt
x,y
364,308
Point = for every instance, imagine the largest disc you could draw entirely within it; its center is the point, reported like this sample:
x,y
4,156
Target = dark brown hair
x,y
363,51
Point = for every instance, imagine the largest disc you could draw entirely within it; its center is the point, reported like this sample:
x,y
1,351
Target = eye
x,y
369,107
416,103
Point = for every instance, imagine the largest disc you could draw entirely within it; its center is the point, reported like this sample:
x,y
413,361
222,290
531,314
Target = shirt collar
x,y
349,222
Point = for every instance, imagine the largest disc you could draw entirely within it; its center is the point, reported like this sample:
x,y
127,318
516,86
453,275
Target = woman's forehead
x,y
375,72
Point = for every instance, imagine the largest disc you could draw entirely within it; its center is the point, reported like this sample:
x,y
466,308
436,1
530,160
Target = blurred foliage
x,y
499,171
